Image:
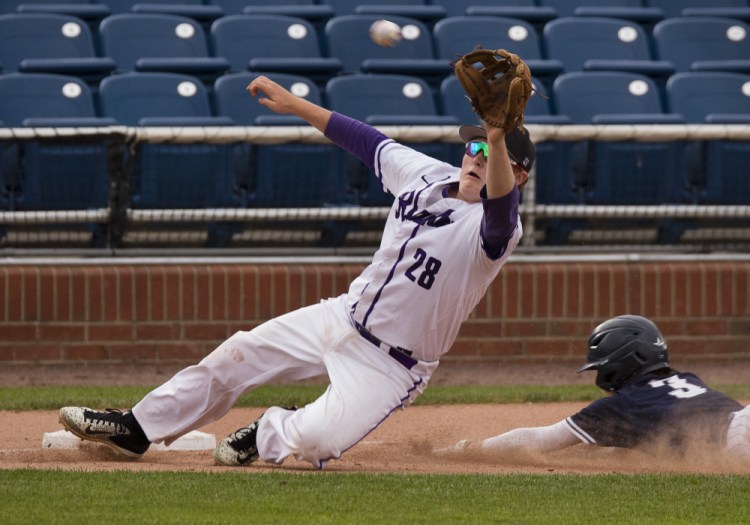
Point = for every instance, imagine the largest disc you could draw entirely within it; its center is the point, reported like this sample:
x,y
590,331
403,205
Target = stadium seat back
x,y
237,7
47,36
129,37
171,175
349,7
348,40
574,40
689,40
54,174
126,6
455,36
583,95
293,174
273,44
716,98
365,96
622,172
568,7
674,8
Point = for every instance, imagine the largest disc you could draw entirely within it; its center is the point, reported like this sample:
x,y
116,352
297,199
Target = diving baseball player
x,y
448,234
652,407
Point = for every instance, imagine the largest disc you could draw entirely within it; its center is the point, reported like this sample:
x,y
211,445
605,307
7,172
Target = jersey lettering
x,y
431,268
681,388
407,210
406,200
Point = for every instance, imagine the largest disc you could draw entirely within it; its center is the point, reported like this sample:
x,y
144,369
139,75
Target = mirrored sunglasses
x,y
474,147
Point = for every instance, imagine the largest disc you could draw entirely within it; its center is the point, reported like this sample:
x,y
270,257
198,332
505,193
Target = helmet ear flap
x,y
615,374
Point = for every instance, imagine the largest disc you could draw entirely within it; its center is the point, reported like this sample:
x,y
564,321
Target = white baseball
x,y
385,33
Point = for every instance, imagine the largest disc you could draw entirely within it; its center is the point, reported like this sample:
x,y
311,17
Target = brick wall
x,y
533,312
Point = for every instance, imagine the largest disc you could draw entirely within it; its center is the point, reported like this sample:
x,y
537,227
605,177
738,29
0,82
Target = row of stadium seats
x,y
536,10
210,175
270,43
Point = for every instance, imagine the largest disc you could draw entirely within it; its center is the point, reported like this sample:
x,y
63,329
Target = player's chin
x,y
471,187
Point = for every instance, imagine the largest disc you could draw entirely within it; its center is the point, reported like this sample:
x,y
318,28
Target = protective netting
x,y
287,186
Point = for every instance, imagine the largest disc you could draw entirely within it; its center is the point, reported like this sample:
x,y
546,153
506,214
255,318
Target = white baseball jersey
x,y
429,273
431,270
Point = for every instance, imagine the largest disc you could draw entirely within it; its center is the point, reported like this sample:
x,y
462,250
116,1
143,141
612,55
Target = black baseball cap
x,y
520,148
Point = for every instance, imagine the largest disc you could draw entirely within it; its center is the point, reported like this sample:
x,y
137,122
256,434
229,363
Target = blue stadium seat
x,y
348,40
634,10
417,9
284,174
457,35
272,44
383,100
11,6
54,174
50,43
722,8
89,12
623,172
602,44
453,102
524,9
171,175
554,181
195,9
721,166
307,9
163,43
704,44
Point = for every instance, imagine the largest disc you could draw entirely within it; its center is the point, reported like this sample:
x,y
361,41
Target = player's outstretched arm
x,y
280,100
531,440
500,177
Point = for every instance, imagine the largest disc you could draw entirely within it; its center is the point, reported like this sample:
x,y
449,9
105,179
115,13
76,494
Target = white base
x,y
62,439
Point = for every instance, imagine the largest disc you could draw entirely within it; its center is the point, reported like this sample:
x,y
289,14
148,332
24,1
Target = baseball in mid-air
x,y
385,33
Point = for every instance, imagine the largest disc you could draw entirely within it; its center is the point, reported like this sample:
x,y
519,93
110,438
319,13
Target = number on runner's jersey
x,y
681,388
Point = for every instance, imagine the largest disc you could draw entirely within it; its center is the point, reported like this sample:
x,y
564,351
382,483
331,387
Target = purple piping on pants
x,y
400,405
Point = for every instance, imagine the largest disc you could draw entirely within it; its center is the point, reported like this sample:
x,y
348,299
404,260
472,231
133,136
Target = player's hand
x,y
280,100
463,446
276,98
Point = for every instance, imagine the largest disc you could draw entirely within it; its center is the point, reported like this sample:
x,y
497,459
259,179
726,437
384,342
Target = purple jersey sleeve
x,y
358,138
499,222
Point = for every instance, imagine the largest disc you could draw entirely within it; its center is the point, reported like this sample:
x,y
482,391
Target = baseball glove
x,y
498,89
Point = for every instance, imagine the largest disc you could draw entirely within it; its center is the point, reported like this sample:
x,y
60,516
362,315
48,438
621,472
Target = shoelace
x,y
241,434
108,420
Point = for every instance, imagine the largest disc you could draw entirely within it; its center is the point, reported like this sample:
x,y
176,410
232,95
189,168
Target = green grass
x,y
324,497
50,398
313,497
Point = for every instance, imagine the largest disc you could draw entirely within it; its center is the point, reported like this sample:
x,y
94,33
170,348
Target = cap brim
x,y
469,132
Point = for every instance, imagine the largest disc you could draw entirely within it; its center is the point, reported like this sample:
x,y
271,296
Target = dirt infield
x,y
405,443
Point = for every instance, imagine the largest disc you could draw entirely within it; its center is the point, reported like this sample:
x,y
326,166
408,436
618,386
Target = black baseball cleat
x,y
239,447
118,430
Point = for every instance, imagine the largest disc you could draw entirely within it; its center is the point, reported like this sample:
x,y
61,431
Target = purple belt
x,y
402,355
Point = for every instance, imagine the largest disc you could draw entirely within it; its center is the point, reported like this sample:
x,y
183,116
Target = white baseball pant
x,y
366,385
738,436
